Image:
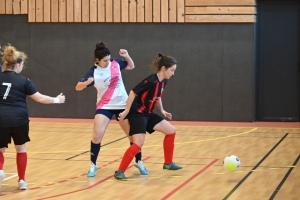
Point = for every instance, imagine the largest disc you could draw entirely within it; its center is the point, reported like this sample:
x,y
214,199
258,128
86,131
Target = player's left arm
x,y
125,55
161,108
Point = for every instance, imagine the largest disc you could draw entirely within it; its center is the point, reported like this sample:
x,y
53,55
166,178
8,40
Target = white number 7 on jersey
x,y
7,89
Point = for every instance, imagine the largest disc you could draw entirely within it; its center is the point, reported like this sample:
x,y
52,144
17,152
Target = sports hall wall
x,y
212,40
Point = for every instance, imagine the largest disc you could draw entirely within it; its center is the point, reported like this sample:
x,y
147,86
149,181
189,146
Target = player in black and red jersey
x,y
14,121
139,108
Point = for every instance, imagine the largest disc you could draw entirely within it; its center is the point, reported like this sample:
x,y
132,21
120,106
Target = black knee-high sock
x,y
138,156
95,149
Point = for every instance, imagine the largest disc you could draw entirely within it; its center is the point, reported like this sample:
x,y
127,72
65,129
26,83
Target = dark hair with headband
x,y
161,60
101,51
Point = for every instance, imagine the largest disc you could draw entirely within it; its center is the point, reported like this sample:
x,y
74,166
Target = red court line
x,y
184,123
86,188
190,179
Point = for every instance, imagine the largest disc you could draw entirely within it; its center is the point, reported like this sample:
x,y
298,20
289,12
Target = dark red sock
x,y
169,147
1,161
128,156
21,164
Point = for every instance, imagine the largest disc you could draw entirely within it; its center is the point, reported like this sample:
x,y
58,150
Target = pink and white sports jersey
x,y
109,84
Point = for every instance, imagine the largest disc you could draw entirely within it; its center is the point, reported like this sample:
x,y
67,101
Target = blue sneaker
x,y
141,167
171,166
92,171
119,175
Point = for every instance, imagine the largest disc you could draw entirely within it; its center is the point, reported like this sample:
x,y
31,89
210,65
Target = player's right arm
x,y
44,99
82,85
129,102
87,80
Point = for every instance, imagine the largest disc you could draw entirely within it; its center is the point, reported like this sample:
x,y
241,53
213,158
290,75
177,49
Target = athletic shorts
x,y
20,135
142,123
110,113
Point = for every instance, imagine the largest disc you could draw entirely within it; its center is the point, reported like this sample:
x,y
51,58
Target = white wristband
x,y
56,100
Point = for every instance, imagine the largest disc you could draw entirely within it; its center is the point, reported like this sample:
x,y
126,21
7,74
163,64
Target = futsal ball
x,y
231,163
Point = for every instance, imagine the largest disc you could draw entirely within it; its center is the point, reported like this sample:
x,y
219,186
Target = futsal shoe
x,y
23,185
141,167
92,171
119,175
171,166
2,177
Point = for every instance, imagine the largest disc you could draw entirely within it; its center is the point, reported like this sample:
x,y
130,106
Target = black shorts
x,y
110,113
20,135
140,122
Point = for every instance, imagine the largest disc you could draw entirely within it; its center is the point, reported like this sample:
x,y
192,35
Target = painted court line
x,y
189,180
10,177
86,188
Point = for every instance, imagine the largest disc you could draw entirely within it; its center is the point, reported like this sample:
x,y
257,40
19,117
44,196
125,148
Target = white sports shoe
x,y
23,185
2,177
141,167
92,171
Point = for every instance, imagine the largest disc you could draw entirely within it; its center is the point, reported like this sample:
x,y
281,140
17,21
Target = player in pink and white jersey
x,y
106,77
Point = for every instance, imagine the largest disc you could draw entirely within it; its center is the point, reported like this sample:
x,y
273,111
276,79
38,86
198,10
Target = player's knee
x,y
2,150
97,137
20,148
172,129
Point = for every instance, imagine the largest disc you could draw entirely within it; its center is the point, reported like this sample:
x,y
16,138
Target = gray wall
x,y
214,80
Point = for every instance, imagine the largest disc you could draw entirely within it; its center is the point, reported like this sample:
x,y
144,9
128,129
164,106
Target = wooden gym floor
x,y
58,160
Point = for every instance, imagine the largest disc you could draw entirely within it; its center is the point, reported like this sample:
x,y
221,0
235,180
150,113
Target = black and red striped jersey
x,y
13,91
148,92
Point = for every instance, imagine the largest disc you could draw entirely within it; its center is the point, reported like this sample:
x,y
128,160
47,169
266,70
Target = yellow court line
x,y
211,139
206,140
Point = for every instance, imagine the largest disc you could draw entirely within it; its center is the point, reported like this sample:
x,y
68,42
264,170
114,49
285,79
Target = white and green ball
x,y
231,163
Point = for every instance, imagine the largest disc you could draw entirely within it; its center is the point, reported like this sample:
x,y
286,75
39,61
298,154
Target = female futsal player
x,y
139,111
106,77
14,121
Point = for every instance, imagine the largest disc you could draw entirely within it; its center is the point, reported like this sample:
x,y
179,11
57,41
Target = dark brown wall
x,y
214,80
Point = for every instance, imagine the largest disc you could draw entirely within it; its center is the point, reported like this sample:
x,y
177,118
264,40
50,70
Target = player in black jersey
x,y
139,108
14,121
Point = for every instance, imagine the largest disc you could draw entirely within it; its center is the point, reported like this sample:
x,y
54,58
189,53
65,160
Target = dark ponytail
x,y
161,60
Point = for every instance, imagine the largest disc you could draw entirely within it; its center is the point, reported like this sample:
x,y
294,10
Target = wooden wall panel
x,y
164,11
140,10
24,7
39,10
101,11
172,10
47,10
219,10
108,11
148,11
85,10
156,11
93,10
77,10
219,18
2,6
54,10
8,7
117,10
125,9
31,10
219,2
16,7
180,10
132,11
62,10
70,11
